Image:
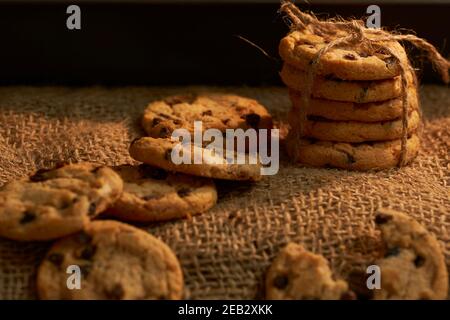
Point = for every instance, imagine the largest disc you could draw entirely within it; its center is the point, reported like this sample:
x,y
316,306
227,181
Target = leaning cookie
x,y
352,156
214,110
116,262
57,202
413,266
153,194
159,153
298,274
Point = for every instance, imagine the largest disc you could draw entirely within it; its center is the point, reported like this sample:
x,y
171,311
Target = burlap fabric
x,y
224,252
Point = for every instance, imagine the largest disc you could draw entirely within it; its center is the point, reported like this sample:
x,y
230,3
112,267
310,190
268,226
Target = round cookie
x,y
299,48
350,111
297,274
356,131
218,111
57,202
339,90
362,156
152,194
117,262
158,153
413,266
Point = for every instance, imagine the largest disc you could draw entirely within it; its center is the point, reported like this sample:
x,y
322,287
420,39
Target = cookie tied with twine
x,y
353,35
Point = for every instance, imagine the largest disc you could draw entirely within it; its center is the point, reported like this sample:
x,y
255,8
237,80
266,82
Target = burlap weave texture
x,y
224,252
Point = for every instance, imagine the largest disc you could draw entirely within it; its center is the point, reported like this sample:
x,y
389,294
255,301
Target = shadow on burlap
x,y
224,252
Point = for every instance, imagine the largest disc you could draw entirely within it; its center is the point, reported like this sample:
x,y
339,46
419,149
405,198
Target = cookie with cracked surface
x,y
413,266
299,48
153,194
218,111
297,274
160,152
355,131
117,262
359,156
56,202
350,111
331,88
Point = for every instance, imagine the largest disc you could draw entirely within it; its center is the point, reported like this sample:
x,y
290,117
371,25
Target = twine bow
x,y
357,35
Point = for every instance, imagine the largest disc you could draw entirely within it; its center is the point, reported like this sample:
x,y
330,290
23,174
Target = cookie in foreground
x,y
117,262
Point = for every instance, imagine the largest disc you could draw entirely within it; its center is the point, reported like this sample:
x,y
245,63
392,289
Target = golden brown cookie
x,y
356,156
299,48
326,87
158,153
351,111
298,274
355,131
153,194
218,111
117,262
413,266
56,202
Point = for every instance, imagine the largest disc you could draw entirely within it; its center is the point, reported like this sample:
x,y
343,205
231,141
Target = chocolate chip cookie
x,y
117,262
298,274
300,47
350,111
218,111
352,156
355,131
153,194
327,87
413,266
158,153
56,202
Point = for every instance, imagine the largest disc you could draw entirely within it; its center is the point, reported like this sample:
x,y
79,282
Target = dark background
x,y
173,43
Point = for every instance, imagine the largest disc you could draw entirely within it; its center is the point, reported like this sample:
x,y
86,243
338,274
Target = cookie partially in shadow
x,y
153,194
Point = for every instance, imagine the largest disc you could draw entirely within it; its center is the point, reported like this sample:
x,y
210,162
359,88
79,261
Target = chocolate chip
x,y
184,192
350,56
225,122
168,154
83,238
348,295
364,54
382,218
28,217
156,121
92,209
39,175
357,283
85,270
88,252
392,252
164,132
252,119
56,258
419,261
207,113
281,282
116,293
189,98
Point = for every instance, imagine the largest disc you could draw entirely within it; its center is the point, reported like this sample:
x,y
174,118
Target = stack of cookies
x,y
354,110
